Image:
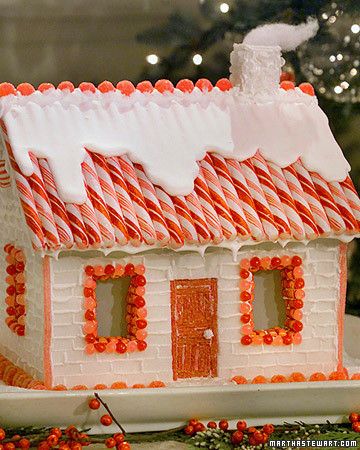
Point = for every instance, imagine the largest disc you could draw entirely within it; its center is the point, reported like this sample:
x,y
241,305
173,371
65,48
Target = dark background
x,y
92,40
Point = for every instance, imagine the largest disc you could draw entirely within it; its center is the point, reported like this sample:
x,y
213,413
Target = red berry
x,y
189,430
296,261
2,434
251,430
94,403
56,431
125,87
124,446
354,417
255,262
258,437
307,88
52,440
268,428
25,88
43,87
223,424
110,442
121,347
164,86
11,270
129,269
119,438
193,422
144,86
241,425
212,425
199,427
106,420
224,84
237,437
87,87
268,339
7,89
66,86
185,85
356,427
106,86
9,446
141,345
24,443
275,262
246,340
287,85
204,85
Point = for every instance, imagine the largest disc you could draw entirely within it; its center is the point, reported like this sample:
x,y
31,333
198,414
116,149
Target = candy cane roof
x,y
176,169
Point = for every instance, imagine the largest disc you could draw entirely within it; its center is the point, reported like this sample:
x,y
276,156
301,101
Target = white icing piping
x,y
168,133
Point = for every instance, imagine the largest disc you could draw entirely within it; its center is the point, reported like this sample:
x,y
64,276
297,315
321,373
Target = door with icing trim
x,y
194,328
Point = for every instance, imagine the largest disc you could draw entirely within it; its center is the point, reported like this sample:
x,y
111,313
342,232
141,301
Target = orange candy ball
x,y
297,377
287,85
43,87
307,88
87,87
125,87
204,85
145,86
7,89
106,86
164,86
318,376
278,379
259,380
224,84
238,379
66,86
185,85
25,88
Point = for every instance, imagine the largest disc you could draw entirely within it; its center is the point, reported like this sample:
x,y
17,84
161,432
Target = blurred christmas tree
x,y
200,48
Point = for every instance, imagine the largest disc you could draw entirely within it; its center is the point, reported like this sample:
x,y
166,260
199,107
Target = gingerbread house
x,y
157,235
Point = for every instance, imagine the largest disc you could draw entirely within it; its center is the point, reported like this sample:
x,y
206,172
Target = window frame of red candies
x,y
136,312
16,289
292,288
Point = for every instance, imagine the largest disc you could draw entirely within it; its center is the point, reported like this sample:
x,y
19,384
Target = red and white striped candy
x,y
344,207
153,206
212,219
288,204
125,202
352,198
271,195
57,205
185,220
246,200
306,201
167,207
199,219
77,225
218,198
147,227
231,196
43,206
110,198
4,176
28,203
327,200
98,202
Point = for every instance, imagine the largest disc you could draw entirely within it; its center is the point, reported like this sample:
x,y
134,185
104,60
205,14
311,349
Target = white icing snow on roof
x,y
168,133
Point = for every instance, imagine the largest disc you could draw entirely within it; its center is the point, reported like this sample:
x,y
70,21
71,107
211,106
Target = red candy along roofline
x,y
127,88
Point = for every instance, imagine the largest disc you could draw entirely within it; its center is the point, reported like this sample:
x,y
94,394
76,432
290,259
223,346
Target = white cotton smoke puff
x,y
287,37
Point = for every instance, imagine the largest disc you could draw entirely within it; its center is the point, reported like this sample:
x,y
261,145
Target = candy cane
x,y
57,205
147,228
231,196
246,200
352,198
309,206
288,204
185,220
125,202
28,203
271,196
4,176
198,217
153,206
176,234
327,200
344,207
99,206
212,219
110,198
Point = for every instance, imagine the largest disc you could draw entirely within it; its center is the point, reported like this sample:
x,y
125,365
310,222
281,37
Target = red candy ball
x,y
141,345
246,340
307,88
245,318
121,347
129,269
139,280
141,324
296,261
106,86
244,274
89,315
268,339
25,88
245,296
89,270
185,85
287,85
100,347
204,85
7,89
275,262
109,269
255,262
66,86
125,87
299,283
87,87
90,338
45,87
164,86
287,339
224,84
297,326
88,292
144,86
139,302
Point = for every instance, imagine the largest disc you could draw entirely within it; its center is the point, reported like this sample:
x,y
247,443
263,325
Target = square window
x,y
288,315
126,285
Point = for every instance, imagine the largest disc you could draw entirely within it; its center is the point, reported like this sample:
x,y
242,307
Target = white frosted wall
x,y
25,351
318,352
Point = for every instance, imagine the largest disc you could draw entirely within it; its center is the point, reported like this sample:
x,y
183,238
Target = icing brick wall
x,y
318,351
24,351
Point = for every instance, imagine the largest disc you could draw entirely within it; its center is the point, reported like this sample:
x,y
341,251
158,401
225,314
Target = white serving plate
x,y
165,408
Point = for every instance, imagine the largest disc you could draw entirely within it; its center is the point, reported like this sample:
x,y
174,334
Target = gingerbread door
x,y
194,328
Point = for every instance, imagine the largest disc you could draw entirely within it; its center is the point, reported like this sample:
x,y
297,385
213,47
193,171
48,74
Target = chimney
x,y
256,69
